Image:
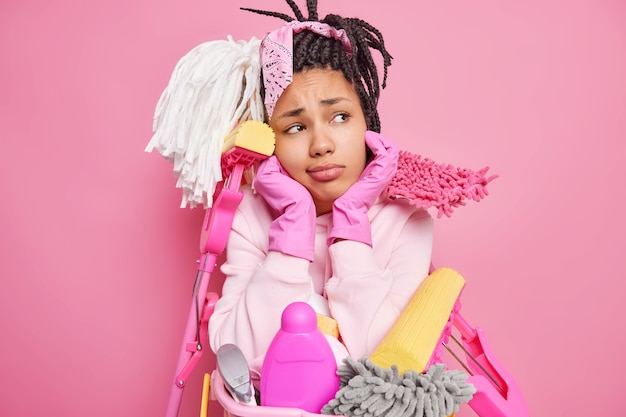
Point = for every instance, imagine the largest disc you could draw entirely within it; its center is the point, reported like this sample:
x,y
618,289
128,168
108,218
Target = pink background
x,y
97,259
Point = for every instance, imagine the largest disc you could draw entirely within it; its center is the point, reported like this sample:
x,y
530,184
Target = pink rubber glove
x,y
350,219
293,231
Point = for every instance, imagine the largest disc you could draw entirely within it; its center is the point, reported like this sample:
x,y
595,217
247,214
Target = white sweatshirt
x,y
366,287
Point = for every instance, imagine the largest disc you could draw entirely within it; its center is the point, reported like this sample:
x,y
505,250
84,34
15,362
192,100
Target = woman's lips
x,y
326,172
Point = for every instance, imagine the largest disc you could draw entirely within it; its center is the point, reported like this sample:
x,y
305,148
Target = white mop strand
x,y
213,87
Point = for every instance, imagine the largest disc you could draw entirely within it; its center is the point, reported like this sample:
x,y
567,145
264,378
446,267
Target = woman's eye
x,y
294,129
341,118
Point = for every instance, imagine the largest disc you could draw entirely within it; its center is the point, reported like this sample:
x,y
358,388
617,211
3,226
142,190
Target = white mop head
x,y
214,87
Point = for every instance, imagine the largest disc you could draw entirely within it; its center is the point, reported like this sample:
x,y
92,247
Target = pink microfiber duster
x,y
429,184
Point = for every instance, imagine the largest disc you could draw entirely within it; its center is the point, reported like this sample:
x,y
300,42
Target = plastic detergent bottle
x,y
299,369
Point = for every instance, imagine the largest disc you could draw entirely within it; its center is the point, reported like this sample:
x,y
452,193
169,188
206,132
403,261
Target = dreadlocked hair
x,y
311,50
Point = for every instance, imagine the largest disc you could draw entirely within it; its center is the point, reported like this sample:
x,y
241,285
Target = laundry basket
x,y
497,394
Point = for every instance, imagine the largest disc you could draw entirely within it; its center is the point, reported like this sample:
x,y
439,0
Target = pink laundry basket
x,y
497,394
232,408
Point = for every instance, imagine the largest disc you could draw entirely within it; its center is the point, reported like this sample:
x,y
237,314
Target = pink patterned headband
x,y
277,56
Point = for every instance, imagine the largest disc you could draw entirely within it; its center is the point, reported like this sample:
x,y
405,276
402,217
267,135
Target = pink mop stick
x,y
213,237
195,333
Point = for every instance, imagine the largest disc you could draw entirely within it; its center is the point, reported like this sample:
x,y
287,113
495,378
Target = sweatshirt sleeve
x,y
259,285
371,285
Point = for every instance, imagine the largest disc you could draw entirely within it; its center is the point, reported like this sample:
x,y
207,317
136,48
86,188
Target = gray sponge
x,y
368,390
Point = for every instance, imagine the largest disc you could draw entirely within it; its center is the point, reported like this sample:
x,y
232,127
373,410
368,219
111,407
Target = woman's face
x,y
320,134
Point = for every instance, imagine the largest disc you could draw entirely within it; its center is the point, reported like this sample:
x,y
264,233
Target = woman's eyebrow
x,y
331,101
324,102
291,113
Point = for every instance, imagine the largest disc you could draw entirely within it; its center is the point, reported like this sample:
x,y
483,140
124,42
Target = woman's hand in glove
x,y
293,231
350,221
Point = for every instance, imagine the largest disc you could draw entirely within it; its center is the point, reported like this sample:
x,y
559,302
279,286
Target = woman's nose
x,y
321,144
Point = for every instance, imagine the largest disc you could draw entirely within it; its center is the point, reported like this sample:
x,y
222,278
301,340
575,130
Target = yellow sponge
x,y
327,325
252,135
411,341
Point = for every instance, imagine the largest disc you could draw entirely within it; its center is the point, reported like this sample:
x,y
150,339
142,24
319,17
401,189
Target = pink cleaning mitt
x,y
428,184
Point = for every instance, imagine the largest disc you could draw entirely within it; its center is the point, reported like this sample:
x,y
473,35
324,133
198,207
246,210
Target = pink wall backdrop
x,y
97,258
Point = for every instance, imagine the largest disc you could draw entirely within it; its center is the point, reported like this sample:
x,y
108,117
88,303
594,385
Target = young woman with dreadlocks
x,y
313,226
